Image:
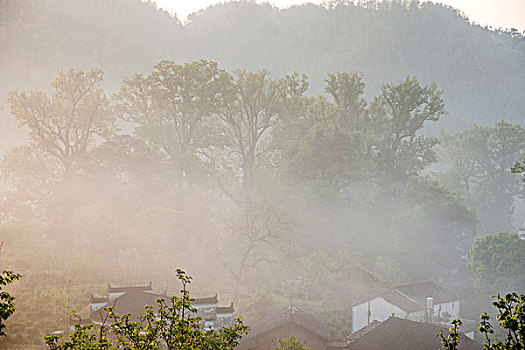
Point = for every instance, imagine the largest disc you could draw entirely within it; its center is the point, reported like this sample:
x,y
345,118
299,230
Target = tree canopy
x,y
481,160
498,262
510,317
7,305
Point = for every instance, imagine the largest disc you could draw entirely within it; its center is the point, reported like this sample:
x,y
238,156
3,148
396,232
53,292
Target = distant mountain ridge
x,y
482,72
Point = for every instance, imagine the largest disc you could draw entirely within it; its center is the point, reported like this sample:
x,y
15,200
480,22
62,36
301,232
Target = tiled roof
x,y
131,302
412,297
225,309
400,334
98,300
421,291
130,289
290,314
135,299
403,301
204,301
309,322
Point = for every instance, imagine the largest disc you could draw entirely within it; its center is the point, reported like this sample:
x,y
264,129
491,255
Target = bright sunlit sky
x,y
497,13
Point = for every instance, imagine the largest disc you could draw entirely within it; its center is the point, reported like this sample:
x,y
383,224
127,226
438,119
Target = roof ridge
x,y
129,288
406,296
418,283
308,315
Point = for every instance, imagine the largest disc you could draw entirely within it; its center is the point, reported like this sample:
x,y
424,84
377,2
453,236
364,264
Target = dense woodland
x,y
284,161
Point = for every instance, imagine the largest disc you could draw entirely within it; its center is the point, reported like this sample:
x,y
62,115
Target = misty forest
x,y
305,159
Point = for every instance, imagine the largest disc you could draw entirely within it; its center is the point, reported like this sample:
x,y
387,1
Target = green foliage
x,y
451,342
480,160
511,318
56,302
321,285
347,89
245,122
168,325
498,262
398,113
333,144
65,128
7,306
171,108
262,304
82,337
346,157
64,125
290,343
519,168
388,272
328,156
428,212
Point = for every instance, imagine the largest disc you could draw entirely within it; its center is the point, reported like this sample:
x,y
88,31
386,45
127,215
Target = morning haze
x,y
340,175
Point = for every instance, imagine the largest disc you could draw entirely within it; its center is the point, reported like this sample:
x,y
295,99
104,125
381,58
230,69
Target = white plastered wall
x,y
380,310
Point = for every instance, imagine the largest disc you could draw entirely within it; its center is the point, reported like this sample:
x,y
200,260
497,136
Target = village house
x,y
401,334
290,321
425,301
134,299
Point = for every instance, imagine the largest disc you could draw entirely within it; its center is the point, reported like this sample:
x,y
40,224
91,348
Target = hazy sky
x,y
504,13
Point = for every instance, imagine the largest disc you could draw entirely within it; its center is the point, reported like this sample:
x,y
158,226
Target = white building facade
x,y
409,302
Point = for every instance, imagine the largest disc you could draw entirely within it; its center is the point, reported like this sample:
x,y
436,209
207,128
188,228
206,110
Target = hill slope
x,y
481,71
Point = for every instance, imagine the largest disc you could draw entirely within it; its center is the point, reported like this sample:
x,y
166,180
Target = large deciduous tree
x,y
243,134
327,156
246,122
64,130
257,230
325,144
481,160
347,89
399,113
66,125
171,108
461,151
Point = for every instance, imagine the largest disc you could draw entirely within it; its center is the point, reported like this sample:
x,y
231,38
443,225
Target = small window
x,y
452,305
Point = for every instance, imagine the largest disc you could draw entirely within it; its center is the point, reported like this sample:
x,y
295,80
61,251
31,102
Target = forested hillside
x,y
482,72
278,155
